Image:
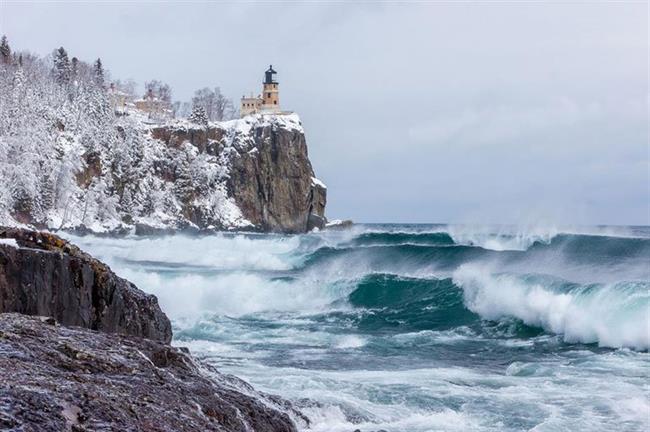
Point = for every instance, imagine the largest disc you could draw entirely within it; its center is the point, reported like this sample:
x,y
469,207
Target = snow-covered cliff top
x,y
285,121
289,121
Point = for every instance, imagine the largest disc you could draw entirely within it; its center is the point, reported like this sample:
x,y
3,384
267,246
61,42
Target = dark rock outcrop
x,y
270,176
274,186
48,276
55,379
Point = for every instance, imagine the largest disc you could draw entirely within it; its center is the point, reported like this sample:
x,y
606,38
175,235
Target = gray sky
x,y
420,112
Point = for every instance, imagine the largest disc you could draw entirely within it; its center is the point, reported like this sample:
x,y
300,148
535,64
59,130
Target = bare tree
x,y
217,107
126,86
160,90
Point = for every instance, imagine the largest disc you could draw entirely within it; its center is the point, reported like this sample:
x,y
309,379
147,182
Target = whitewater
x,y
415,328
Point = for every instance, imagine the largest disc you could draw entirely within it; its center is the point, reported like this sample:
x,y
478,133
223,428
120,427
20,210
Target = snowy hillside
x,y
69,160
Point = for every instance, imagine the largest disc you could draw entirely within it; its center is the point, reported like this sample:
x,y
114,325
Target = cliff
x,y
252,174
113,367
270,178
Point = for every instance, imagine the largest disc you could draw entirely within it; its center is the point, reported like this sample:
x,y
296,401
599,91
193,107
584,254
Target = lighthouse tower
x,y
267,102
270,95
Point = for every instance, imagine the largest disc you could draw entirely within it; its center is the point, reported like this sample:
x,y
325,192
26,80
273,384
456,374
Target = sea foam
x,y
612,315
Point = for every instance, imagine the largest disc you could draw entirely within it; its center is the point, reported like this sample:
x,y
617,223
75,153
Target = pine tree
x,y
62,69
19,77
75,68
5,50
183,182
98,73
198,116
126,203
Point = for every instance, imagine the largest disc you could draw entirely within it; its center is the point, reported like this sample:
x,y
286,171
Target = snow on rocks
x,y
316,182
9,242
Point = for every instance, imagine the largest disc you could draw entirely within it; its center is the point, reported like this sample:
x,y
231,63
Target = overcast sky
x,y
419,112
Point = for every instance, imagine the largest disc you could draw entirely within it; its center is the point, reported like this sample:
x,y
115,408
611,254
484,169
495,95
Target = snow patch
x,y
316,182
9,242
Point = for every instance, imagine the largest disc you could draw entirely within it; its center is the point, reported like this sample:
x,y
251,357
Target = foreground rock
x,y
42,274
54,378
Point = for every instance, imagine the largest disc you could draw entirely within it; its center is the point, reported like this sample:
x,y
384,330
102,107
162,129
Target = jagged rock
x,y
48,276
55,379
270,176
274,186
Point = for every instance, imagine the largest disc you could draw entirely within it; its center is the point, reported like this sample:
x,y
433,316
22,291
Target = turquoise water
x,y
416,328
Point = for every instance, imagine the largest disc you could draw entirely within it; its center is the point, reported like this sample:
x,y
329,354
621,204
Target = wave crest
x,y
615,315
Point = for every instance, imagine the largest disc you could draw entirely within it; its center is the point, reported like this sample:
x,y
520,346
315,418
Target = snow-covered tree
x,y
198,116
62,68
98,73
5,50
74,68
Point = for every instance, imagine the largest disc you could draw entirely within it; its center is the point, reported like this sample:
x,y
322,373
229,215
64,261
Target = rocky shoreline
x,y
84,350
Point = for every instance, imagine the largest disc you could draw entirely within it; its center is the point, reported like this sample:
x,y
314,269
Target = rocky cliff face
x,y
55,379
270,177
252,173
41,274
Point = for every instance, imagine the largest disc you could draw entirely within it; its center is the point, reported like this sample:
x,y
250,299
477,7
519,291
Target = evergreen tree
x,y
5,50
98,73
75,68
183,182
19,77
62,68
126,203
198,116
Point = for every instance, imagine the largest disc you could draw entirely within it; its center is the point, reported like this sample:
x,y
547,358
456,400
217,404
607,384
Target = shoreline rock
x,y
48,276
55,378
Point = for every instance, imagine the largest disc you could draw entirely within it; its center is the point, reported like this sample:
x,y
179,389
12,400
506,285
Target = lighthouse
x,y
268,101
270,95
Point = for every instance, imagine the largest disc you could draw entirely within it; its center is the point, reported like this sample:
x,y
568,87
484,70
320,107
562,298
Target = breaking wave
x,y
615,315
